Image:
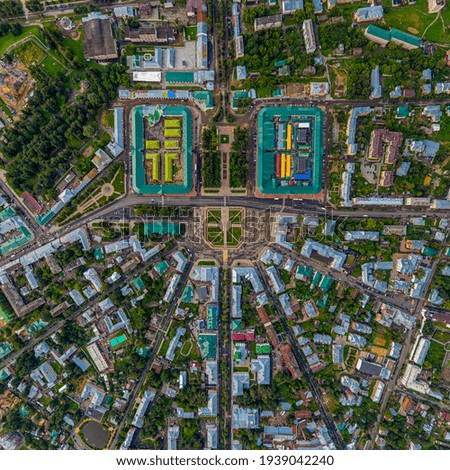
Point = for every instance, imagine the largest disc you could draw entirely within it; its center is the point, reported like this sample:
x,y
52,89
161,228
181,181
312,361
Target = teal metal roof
x,y
137,149
405,37
180,77
206,97
267,181
379,32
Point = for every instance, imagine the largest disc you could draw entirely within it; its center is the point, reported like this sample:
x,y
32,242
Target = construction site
x,y
16,85
290,149
162,149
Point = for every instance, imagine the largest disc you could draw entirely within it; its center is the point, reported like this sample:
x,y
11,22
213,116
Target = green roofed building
x,y
205,97
5,349
383,37
380,35
211,317
7,213
316,279
402,112
140,185
36,326
152,144
323,302
155,165
304,272
161,267
44,218
238,95
4,374
98,254
427,251
236,324
187,294
142,352
406,40
117,341
263,348
180,77
19,240
285,135
138,283
208,345
326,283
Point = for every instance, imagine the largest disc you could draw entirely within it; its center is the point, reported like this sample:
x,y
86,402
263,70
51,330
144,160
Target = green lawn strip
x,y
118,181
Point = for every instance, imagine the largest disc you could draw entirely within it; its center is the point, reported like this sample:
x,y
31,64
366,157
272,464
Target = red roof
x,y
243,336
36,206
263,314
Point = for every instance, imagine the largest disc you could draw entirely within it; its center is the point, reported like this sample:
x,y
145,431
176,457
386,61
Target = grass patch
x,y
214,216
76,46
234,236
215,236
52,68
441,336
435,355
224,139
190,32
119,180
235,216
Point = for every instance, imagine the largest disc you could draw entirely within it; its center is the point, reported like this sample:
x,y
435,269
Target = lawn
x,y
52,68
435,355
234,236
190,32
215,236
224,139
118,181
415,17
441,336
235,216
9,39
214,216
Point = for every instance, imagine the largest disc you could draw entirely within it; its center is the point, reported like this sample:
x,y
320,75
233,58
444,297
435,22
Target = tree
x,y
16,29
34,5
26,363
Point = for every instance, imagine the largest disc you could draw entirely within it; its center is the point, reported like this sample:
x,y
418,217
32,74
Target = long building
x,y
309,36
152,33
